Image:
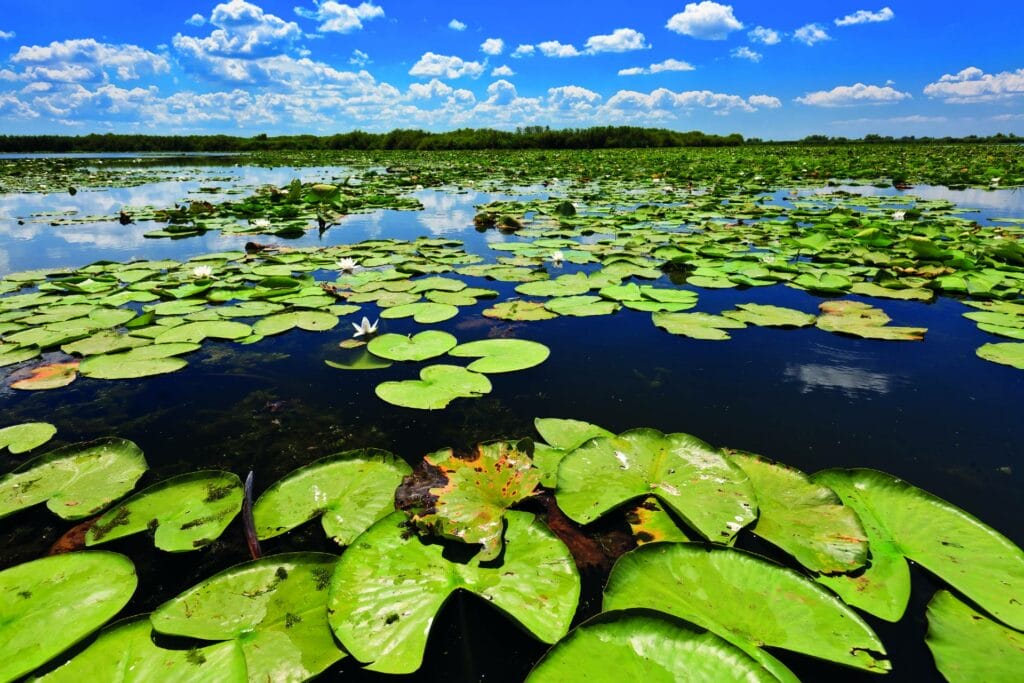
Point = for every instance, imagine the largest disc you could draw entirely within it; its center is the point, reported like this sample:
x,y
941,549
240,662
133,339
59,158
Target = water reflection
x,y
1008,202
848,380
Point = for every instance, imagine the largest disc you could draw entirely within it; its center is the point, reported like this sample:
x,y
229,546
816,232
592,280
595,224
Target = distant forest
x,y
530,137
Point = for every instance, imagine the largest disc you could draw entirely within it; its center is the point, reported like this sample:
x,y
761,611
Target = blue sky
x,y
769,69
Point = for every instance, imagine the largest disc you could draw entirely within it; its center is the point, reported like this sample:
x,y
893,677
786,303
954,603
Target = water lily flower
x,y
202,272
995,182
347,264
899,215
364,328
260,223
557,257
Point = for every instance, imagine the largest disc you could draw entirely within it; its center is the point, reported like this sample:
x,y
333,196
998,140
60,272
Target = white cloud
x,y
851,95
456,25
766,101
863,16
6,35
502,70
619,40
662,102
359,58
811,34
523,51
439,90
11,106
553,48
445,66
492,46
746,53
573,99
335,17
765,36
667,65
705,20
974,85
85,60
242,30
196,19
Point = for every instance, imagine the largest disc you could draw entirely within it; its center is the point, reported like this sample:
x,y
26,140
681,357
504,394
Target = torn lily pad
x,y
859,319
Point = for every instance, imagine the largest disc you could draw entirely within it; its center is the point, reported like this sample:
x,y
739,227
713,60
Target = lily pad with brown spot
x,y
52,376
519,310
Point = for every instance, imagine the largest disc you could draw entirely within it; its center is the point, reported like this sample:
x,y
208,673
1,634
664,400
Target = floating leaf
x,y
636,645
50,604
275,608
437,386
313,321
770,316
364,360
562,436
581,306
501,355
145,361
104,341
26,436
707,491
519,310
563,285
187,511
389,585
863,320
747,600
428,344
905,521
968,646
126,653
75,481
349,491
465,498
696,325
424,312
651,523
198,331
1005,353
52,376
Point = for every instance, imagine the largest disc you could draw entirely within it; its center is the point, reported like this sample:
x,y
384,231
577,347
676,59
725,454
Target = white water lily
x,y
364,328
899,215
994,182
260,223
202,272
557,257
347,264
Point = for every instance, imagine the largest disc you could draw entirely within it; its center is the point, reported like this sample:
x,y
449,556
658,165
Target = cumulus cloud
x,y
359,58
746,53
619,40
667,65
851,95
766,101
456,25
445,66
664,101
523,51
492,46
196,19
811,34
242,29
335,17
553,48
863,16
12,107
84,60
974,85
765,36
705,20
573,99
502,70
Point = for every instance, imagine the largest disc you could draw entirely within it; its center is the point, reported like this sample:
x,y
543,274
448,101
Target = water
x,y
929,412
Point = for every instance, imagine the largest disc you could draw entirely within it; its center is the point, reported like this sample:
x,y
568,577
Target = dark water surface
x,y
930,412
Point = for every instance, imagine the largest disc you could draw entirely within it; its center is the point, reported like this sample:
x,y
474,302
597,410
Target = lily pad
x,y
563,285
363,360
696,325
198,331
581,306
400,347
389,585
651,523
770,316
187,511
104,341
562,436
274,608
349,491
501,355
424,312
519,310
145,361
437,386
75,481
859,319
26,436
51,376
313,321
50,604
1004,353
745,599
696,481
968,646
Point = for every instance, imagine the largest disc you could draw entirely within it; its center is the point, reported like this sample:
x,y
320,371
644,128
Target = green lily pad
x,y
745,599
313,321
198,331
770,316
389,585
187,511
26,436
428,344
437,386
363,360
519,310
50,376
349,491
145,361
104,341
904,521
581,306
696,325
465,498
968,646
562,436
1004,353
651,523
501,355
636,645
10,354
75,481
274,608
424,312
563,285
905,294
859,319
696,481
50,604
126,653
805,519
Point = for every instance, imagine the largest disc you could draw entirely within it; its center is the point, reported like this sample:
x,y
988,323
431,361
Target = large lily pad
x,y
562,436
196,332
349,491
770,316
48,605
145,361
49,376
747,600
696,481
427,344
275,608
26,436
697,325
859,319
968,646
636,645
126,653
1005,353
581,306
904,521
519,310
423,312
75,481
805,519
187,511
501,355
313,321
465,498
390,584
437,386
